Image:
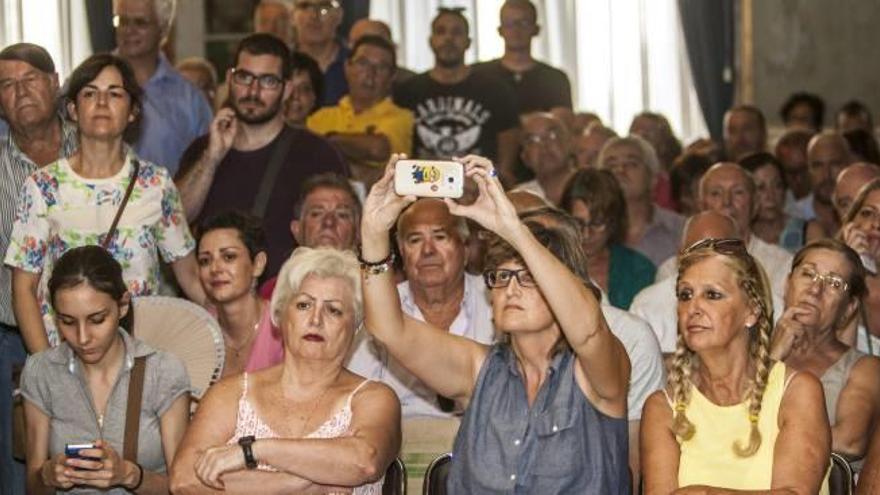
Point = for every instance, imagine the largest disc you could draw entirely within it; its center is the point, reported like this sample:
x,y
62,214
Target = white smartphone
x,y
429,178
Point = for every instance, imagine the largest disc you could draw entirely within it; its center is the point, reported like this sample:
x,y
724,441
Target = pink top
x,y
249,423
268,349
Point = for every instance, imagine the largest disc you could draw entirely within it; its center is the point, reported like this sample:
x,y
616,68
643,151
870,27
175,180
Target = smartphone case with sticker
x,y
429,178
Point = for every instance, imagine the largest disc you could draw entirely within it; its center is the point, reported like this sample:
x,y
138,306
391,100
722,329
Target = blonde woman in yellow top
x,y
731,419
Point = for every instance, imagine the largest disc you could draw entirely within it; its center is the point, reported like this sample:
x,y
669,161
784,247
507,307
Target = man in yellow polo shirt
x,y
366,125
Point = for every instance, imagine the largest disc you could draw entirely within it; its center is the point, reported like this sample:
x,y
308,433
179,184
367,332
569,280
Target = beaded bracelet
x,y
376,267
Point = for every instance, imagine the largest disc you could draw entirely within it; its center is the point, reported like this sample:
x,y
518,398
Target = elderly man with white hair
x,y
174,111
653,230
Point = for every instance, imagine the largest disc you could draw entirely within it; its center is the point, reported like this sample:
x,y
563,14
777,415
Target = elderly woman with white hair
x,y
307,425
652,230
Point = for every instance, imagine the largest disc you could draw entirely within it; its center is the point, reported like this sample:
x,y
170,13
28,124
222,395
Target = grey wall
x,y
829,47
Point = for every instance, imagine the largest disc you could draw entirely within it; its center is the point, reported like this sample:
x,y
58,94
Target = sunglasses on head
x,y
723,246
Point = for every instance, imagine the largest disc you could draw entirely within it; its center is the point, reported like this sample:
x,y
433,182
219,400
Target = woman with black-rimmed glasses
x,y
732,419
546,405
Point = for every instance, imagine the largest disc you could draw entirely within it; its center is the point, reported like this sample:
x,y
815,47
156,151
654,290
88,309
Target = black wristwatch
x,y
246,443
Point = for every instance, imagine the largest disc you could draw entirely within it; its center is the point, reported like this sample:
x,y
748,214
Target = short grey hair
x,y
321,262
649,155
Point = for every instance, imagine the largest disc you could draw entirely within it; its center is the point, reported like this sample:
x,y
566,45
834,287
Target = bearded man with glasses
x,y
226,168
822,296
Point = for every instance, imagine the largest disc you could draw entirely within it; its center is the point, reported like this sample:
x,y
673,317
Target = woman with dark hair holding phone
x,y
77,392
546,406
73,202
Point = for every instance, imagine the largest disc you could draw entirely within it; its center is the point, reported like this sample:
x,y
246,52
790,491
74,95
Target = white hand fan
x,y
185,329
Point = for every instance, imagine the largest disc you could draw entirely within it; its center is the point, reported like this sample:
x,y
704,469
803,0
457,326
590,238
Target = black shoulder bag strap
x,y
282,146
136,167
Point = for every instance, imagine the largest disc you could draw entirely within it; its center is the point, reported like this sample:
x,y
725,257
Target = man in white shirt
x,y
729,189
438,291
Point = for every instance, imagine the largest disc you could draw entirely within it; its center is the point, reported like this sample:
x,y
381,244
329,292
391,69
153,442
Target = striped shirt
x,y
15,167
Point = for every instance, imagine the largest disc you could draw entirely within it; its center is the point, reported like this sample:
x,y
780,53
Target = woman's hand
x,y
492,209
218,460
860,241
54,473
790,334
106,471
381,209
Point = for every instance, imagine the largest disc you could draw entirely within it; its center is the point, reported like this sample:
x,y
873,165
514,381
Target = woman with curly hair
x,y
731,418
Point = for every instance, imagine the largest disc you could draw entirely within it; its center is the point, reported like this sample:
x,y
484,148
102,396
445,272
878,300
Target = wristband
x,y
140,478
246,449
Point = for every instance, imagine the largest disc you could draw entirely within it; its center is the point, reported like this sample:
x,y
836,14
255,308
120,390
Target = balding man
x,y
363,27
589,143
174,112
827,155
849,181
729,189
273,17
438,290
656,303
745,132
547,151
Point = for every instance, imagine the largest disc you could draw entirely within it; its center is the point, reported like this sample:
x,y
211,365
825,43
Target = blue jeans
x,y
12,472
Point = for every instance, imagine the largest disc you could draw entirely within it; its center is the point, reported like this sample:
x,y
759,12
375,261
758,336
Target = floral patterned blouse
x,y
58,210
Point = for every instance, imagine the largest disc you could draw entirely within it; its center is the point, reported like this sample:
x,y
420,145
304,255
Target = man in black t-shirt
x,y
538,86
226,168
458,111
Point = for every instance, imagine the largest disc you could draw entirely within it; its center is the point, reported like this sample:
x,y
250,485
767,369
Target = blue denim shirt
x,y
562,444
174,114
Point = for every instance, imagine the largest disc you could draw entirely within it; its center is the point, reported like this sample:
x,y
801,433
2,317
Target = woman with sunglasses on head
x,y
822,295
546,406
78,392
731,419
73,202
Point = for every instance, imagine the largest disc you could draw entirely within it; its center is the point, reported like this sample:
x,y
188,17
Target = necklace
x,y
237,350
312,412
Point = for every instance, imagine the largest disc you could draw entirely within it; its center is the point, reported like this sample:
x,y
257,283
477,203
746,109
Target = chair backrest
x,y
840,480
436,474
395,478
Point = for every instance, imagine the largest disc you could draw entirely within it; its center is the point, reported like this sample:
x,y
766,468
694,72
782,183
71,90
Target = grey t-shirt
x,y
53,381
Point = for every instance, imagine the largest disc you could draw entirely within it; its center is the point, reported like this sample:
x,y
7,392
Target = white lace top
x,y
249,423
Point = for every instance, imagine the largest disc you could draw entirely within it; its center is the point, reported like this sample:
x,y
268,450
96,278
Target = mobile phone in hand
x,y
429,178
72,451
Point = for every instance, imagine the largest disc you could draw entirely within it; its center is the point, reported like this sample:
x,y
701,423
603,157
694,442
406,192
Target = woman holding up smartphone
x,y
861,232
77,392
546,405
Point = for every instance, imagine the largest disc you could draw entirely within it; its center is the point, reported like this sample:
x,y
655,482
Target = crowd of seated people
x,y
599,313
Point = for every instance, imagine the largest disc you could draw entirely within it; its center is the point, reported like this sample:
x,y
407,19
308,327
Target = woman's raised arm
x,y
447,363
601,356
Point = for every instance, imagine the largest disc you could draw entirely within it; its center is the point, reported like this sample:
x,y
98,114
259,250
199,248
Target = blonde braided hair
x,y
753,281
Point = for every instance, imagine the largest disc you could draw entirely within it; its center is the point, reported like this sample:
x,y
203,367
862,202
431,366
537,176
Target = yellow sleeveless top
x,y
708,457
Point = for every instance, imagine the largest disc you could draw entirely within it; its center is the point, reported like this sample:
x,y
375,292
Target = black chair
x,y
436,474
395,478
841,479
